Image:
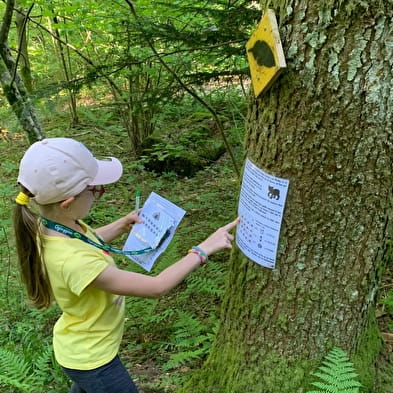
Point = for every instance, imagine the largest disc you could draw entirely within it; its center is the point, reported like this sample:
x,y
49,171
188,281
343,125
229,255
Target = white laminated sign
x,y
261,207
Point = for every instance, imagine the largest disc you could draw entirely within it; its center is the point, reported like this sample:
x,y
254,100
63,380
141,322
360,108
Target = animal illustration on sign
x,y
263,54
273,193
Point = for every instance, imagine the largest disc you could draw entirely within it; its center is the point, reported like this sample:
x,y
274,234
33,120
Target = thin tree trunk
x,y
21,105
326,125
60,50
12,84
25,70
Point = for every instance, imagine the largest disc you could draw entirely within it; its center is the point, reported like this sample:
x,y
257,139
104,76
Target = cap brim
x,y
109,171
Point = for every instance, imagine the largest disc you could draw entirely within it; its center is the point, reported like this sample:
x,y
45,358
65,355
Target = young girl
x,y
62,258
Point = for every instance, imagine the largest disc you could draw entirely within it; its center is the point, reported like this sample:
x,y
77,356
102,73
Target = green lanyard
x,y
77,235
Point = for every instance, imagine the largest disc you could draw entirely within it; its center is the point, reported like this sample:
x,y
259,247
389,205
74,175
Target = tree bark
x,y
19,100
13,87
326,125
25,70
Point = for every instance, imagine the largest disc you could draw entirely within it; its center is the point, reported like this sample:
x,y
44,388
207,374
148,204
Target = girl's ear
x,y
67,202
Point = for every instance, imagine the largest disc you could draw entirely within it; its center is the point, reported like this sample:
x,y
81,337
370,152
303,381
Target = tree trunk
x,y
326,125
63,53
25,70
12,84
19,100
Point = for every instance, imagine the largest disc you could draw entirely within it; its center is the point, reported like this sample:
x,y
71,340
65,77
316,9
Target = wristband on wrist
x,y
201,254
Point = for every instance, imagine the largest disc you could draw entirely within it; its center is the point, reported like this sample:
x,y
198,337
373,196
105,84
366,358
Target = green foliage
x,y
190,339
388,302
104,52
26,353
26,373
206,284
336,374
13,370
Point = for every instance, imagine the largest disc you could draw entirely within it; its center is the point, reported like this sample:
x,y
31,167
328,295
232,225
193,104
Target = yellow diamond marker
x,y
265,54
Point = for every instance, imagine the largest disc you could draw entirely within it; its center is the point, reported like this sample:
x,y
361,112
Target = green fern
x,y
43,368
336,374
177,359
190,339
209,281
15,371
18,372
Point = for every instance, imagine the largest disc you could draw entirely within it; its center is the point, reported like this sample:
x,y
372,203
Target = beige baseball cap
x,y
55,169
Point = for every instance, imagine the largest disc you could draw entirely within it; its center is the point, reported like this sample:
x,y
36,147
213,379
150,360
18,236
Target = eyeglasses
x,y
97,191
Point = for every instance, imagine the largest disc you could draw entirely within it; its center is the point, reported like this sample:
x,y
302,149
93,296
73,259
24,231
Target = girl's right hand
x,y
219,239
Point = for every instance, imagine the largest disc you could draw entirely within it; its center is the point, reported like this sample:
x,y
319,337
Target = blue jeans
x,y
109,378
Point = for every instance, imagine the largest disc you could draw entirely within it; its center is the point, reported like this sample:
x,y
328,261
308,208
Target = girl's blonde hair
x,y
28,245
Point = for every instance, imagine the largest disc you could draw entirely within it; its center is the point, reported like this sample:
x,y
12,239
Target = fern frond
x,y
177,359
15,371
22,372
191,339
336,374
205,285
42,364
7,381
329,370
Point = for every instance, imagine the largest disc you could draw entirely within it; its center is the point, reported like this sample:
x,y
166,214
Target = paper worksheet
x,y
261,207
160,219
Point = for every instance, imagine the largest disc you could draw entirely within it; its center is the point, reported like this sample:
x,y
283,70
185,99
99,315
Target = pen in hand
x,y
137,201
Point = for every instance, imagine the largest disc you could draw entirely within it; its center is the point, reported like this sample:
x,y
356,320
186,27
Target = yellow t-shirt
x,y
88,333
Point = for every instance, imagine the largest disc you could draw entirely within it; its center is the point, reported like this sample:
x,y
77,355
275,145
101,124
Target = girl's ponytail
x,y
28,245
